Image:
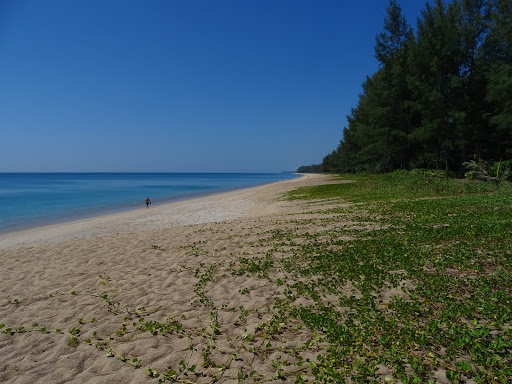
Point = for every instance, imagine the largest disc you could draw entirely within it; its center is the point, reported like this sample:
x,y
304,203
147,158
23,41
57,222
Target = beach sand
x,y
86,301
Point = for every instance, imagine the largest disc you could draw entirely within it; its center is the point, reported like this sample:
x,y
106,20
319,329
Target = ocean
x,y
33,199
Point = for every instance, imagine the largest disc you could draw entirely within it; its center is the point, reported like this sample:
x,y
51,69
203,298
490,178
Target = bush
x,y
483,170
501,169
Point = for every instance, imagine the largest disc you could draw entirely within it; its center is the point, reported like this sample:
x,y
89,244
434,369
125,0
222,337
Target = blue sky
x,y
181,86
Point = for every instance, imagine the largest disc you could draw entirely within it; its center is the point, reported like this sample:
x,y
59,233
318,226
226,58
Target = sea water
x,y
34,199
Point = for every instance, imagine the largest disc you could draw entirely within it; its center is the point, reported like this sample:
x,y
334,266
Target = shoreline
x,y
124,205
196,209
82,299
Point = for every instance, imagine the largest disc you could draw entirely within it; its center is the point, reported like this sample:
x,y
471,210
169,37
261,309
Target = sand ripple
x,y
156,285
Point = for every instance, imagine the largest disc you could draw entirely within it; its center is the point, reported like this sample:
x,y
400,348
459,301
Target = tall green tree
x,y
472,130
435,85
392,50
392,41
365,145
376,138
498,55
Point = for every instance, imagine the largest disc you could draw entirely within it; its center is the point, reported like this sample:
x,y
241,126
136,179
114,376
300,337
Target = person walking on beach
x,y
147,202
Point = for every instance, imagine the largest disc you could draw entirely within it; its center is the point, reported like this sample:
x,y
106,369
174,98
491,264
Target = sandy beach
x,y
123,297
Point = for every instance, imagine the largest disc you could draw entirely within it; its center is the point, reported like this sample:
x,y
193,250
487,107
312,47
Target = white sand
x,y
153,265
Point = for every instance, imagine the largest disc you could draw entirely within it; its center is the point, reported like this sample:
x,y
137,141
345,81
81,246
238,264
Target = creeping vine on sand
x,y
393,278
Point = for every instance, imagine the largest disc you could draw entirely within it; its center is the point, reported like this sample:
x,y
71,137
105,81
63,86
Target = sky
x,y
181,86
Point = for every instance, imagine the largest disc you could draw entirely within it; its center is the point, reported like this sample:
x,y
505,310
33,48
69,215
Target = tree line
x,y
442,95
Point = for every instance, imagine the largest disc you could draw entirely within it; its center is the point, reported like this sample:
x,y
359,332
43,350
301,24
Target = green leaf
x,y
464,366
152,373
171,373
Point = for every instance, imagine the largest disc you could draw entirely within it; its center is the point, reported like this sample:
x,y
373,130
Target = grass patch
x,y
444,258
397,185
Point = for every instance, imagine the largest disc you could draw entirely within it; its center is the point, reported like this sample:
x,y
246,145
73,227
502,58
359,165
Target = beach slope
x,y
154,292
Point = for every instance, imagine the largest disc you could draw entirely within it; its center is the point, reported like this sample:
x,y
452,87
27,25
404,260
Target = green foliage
x,y
451,241
400,184
440,98
482,170
315,168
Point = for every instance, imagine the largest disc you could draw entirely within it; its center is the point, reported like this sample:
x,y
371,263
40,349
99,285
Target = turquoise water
x,y
33,199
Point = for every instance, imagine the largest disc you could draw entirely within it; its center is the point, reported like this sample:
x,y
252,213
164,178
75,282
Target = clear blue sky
x,y
181,86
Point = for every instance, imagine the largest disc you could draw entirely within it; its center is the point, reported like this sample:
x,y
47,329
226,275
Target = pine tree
x,y
434,81
472,129
498,56
391,49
